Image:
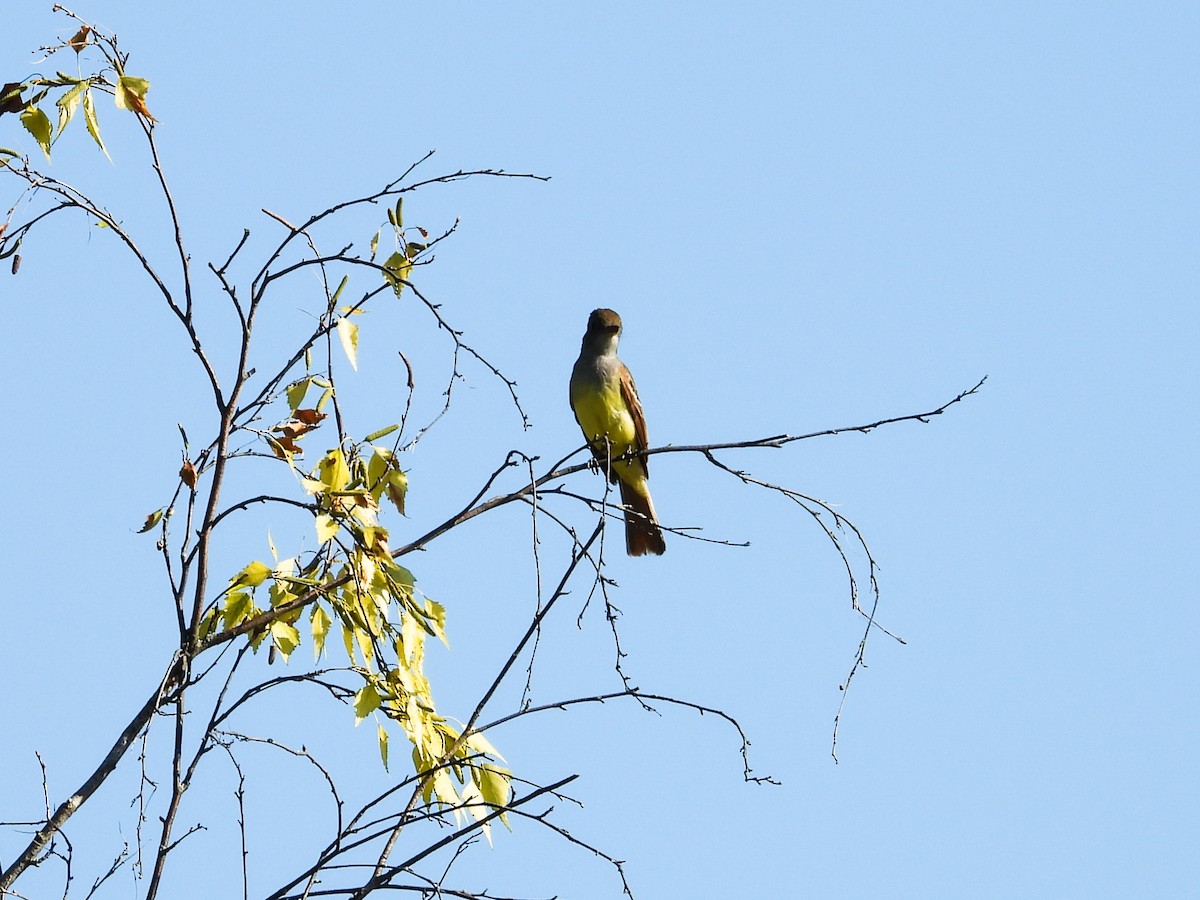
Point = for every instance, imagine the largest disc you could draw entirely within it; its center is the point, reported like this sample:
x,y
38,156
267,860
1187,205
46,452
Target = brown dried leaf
x,y
281,446
293,429
138,105
80,40
10,98
310,416
188,474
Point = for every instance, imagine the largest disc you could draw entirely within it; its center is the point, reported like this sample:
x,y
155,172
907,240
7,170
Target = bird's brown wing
x,y
630,395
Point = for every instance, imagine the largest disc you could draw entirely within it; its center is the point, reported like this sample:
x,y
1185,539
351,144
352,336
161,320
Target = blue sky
x,y
809,216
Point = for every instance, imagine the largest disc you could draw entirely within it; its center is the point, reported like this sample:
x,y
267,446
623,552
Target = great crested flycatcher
x,y
606,406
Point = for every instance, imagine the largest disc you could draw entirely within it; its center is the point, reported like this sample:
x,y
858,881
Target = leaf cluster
x,y
72,93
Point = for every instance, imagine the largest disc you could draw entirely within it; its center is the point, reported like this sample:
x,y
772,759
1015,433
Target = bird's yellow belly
x,y
604,414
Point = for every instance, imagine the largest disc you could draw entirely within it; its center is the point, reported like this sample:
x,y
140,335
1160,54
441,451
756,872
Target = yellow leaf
x,y
37,124
151,520
363,639
333,471
375,540
397,489
320,628
93,125
366,701
435,618
383,745
68,103
348,334
311,485
253,575
238,607
377,468
285,637
398,269
494,785
478,742
327,528
280,593
443,787
476,806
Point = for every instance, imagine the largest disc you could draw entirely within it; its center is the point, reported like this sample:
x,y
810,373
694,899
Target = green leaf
x,y
37,124
348,333
295,393
208,624
320,628
382,432
383,745
151,520
366,701
341,287
398,215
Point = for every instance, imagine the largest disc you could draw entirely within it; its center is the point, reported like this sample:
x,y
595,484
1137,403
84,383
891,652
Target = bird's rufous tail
x,y
642,534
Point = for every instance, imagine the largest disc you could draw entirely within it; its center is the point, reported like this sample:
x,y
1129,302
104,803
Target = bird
x,y
606,406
